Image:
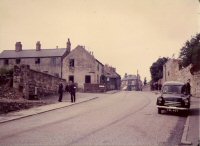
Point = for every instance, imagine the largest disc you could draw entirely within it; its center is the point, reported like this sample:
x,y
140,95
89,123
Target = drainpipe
x,y
61,67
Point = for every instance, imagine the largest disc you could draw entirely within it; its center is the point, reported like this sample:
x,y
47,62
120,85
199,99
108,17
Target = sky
x,y
127,34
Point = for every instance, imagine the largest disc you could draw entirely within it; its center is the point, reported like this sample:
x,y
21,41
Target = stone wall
x,y
94,88
34,84
173,72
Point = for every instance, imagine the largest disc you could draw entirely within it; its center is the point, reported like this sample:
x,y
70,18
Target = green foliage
x,y
190,53
157,69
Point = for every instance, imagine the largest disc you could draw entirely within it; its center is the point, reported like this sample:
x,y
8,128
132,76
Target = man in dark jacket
x,y
72,90
188,87
60,91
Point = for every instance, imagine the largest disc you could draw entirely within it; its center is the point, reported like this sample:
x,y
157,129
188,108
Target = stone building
x,y
172,71
44,60
77,65
131,82
111,78
81,67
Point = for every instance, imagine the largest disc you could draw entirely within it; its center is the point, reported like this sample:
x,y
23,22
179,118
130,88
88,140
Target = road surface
x,y
123,118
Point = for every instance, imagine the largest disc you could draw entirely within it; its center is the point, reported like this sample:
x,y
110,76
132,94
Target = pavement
x,y
191,134
53,104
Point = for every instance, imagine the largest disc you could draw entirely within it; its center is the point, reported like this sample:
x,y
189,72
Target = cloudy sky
x,y
127,34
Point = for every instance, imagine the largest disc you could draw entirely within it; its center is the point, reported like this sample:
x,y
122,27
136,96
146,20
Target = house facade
x,y
44,60
112,79
131,82
81,67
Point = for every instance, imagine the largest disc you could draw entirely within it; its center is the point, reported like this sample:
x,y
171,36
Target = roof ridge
x,y
35,49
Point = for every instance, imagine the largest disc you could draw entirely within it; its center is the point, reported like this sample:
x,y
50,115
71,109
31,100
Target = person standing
x,y
60,91
73,92
188,87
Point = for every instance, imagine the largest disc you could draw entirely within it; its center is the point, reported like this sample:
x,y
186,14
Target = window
x,y
71,78
87,79
169,89
6,62
53,61
18,60
71,63
37,61
98,67
168,73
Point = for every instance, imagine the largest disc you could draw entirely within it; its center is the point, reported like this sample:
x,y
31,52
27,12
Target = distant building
x,y
131,82
44,60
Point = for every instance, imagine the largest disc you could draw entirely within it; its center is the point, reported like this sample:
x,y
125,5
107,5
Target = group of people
x,y
71,88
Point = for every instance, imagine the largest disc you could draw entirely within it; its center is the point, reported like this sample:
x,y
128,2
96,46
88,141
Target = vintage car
x,y
173,97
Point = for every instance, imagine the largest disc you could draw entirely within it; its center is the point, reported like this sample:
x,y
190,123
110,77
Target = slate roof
x,y
32,53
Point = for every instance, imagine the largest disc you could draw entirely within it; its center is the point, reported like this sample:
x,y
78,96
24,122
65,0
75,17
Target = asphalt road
x,y
123,118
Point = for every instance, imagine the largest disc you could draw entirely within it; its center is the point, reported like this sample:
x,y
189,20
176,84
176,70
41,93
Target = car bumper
x,y
172,107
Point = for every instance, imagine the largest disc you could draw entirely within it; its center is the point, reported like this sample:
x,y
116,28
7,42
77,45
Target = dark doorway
x,y
87,79
71,78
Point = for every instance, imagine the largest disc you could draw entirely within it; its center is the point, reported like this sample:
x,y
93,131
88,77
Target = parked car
x,y
173,97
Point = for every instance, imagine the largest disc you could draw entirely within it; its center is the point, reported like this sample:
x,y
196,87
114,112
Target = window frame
x,y
88,79
71,63
37,60
6,62
18,61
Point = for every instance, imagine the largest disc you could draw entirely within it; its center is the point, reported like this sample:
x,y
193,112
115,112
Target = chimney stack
x,y
38,46
68,45
18,47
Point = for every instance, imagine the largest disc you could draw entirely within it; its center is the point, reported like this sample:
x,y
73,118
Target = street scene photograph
x,y
100,73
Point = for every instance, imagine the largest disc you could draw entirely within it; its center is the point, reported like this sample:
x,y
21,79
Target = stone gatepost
x,y
25,71
21,78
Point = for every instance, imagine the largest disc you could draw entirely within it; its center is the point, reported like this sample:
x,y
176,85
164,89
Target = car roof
x,y
173,83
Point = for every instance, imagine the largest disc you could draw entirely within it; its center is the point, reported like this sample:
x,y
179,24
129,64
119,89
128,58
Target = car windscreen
x,y
173,89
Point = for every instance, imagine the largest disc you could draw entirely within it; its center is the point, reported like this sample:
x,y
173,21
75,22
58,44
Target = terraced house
x,y
44,60
78,65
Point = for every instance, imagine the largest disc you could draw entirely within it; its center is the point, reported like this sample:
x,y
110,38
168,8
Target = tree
x,y
190,53
157,69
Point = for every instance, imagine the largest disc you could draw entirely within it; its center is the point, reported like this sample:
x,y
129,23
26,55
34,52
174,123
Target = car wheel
x,y
159,111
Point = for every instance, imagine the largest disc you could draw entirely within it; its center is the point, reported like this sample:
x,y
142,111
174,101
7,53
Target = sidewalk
x,y
191,134
53,105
